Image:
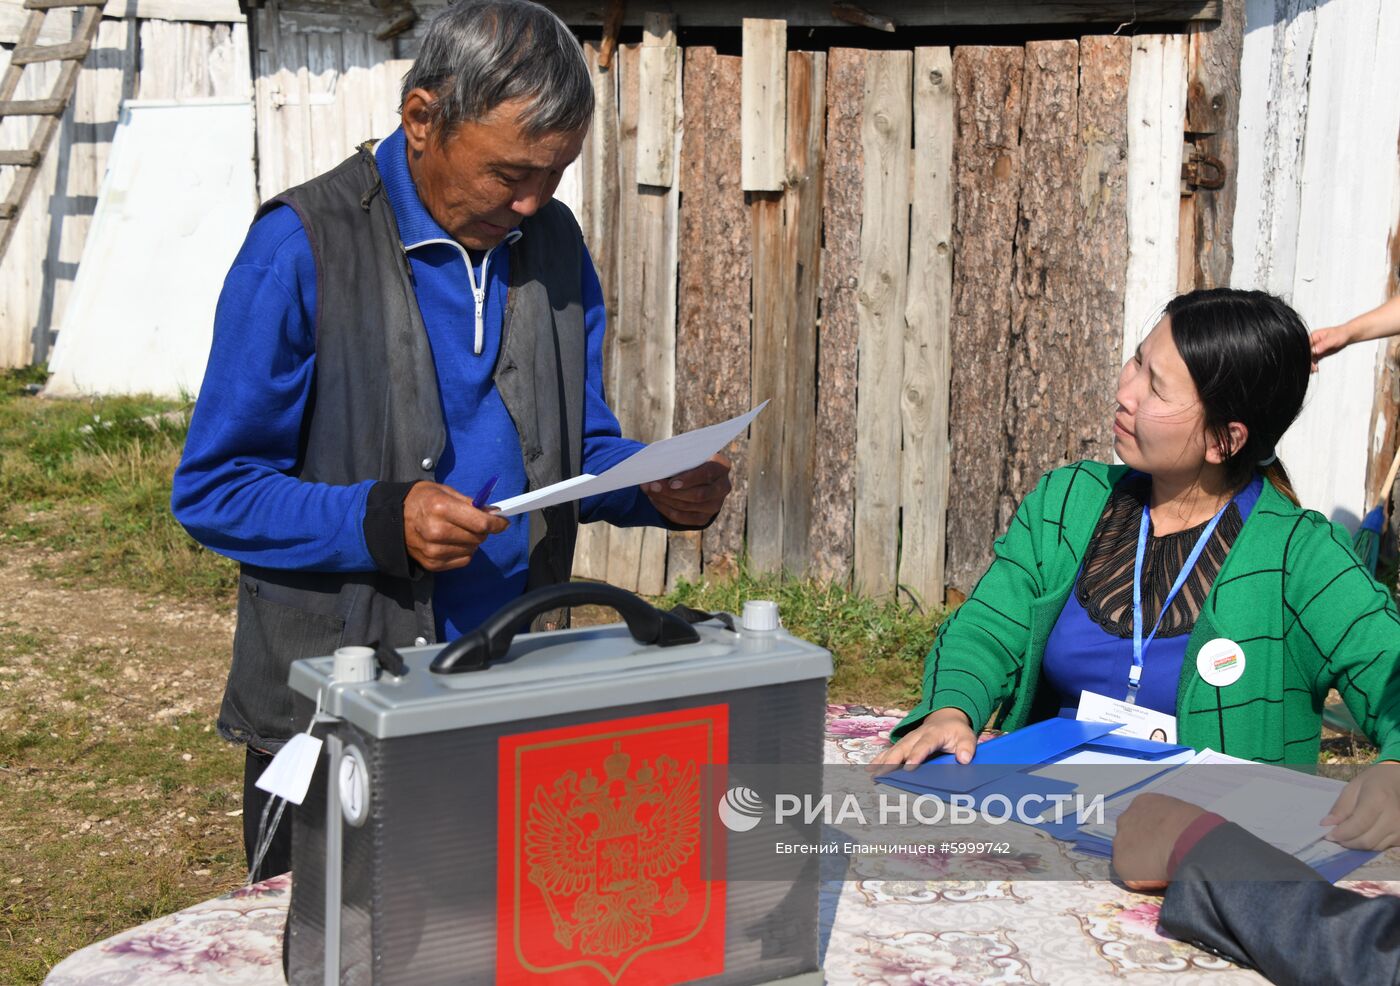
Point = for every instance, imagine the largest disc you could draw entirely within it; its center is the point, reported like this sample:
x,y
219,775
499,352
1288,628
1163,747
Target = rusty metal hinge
x,y
1203,170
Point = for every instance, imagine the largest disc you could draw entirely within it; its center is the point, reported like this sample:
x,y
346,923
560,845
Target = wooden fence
x,y
922,258
927,259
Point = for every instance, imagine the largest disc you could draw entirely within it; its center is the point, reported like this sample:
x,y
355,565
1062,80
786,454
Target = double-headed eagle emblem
x,y
599,850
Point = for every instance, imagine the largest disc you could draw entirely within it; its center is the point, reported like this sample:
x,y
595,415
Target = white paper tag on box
x,y
1148,724
289,774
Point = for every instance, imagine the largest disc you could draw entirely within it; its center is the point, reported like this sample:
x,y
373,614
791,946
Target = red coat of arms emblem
x,y
601,853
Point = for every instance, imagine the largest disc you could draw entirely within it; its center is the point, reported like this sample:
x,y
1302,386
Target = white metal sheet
x,y
173,211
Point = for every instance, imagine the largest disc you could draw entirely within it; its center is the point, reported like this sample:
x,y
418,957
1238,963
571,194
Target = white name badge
x,y
1148,724
1220,662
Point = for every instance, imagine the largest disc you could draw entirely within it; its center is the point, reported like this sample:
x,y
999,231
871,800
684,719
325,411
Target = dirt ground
x,y
118,801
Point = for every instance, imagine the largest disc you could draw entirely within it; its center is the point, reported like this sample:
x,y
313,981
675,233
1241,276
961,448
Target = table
x,y
1007,929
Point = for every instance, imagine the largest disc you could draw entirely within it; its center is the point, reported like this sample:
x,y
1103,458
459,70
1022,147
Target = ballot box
x,y
521,807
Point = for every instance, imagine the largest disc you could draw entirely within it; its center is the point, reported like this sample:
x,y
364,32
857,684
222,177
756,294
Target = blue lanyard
x,y
1140,645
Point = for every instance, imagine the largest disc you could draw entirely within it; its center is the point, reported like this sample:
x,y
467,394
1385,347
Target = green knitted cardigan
x,y
1291,593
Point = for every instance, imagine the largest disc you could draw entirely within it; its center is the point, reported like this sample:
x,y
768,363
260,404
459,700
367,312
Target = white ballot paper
x,y
1283,807
659,460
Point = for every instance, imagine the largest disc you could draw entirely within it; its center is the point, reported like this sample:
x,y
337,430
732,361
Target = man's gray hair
x,y
478,54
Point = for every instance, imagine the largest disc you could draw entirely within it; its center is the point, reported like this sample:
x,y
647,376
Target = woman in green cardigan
x,y
1115,579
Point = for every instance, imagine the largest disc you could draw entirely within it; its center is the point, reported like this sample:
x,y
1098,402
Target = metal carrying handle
x,y
489,642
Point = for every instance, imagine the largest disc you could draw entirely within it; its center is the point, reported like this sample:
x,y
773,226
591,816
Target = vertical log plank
x,y
598,217
1156,111
684,561
1213,116
763,126
886,138
771,298
924,401
386,83
660,77
802,207
844,179
1046,281
658,235
1104,67
624,558
602,203
324,109
765,61
987,179
269,101
643,392
712,339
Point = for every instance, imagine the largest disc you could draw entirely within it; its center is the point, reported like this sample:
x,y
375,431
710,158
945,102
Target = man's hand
x,y
942,731
441,528
1147,833
692,498
1367,812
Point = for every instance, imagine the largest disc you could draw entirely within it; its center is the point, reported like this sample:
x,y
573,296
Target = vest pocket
x,y
257,706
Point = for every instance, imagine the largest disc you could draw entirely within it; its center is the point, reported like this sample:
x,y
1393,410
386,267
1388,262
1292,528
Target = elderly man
x,y
393,336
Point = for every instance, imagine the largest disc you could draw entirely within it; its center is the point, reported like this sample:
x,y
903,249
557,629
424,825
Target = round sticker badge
x,y
1220,662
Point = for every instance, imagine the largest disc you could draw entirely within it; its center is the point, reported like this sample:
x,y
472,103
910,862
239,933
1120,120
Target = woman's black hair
x,y
1250,358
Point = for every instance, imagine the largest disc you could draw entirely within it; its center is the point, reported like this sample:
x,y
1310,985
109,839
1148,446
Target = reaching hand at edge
x,y
1366,814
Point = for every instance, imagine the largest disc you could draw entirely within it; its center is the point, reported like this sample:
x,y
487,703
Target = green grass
x,y
878,646
90,481
115,794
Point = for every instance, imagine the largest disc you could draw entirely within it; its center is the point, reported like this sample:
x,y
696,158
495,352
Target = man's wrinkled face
x,y
487,176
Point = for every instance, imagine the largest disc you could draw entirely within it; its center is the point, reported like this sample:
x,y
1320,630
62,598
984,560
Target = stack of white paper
x,y
1281,806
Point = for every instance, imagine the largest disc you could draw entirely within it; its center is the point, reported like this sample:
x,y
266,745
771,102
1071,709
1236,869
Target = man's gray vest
x,y
375,413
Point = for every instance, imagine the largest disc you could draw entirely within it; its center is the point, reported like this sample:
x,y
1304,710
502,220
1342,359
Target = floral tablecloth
x,y
1007,929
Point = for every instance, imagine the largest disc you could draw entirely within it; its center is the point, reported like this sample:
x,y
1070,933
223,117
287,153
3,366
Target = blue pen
x,y
482,499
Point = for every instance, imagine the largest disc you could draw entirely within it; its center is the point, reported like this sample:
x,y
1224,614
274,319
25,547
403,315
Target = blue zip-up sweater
x,y
232,490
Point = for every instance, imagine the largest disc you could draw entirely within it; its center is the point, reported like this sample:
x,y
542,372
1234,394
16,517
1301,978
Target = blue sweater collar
x,y
416,225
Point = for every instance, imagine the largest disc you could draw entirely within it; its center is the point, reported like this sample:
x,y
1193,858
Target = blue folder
x,y
1039,743
999,767
1013,786
1132,746
1339,866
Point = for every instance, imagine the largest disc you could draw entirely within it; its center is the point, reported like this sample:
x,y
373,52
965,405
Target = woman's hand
x,y
944,731
1378,323
1330,340
1367,812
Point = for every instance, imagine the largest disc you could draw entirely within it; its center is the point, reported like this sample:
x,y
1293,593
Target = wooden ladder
x,y
29,52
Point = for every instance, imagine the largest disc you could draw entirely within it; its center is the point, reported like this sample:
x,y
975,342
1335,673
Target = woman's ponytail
x,y
1278,476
